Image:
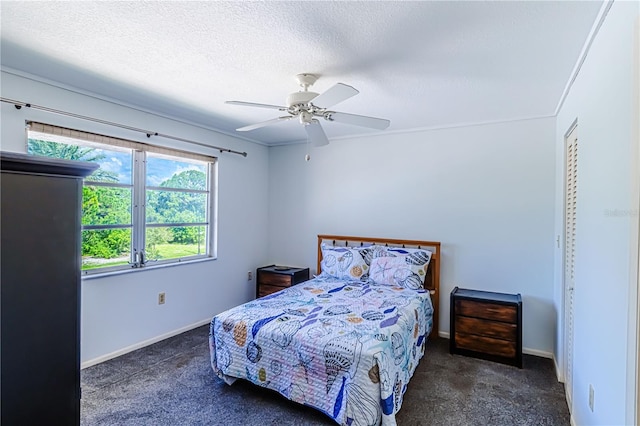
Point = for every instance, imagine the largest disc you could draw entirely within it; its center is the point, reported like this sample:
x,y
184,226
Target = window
x,y
145,205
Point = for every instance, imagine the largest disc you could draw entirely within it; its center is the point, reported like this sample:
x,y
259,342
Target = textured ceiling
x,y
419,64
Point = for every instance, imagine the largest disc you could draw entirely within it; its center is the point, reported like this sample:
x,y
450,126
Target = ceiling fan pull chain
x,y
307,157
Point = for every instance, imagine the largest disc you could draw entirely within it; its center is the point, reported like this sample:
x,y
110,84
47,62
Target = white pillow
x,y
407,270
371,252
343,263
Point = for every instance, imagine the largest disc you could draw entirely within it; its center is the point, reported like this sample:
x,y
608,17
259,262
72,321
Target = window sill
x,y
146,268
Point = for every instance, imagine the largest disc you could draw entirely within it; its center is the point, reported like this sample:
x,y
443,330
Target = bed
x,y
345,342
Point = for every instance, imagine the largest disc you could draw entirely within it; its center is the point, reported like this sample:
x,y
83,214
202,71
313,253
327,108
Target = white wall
x,y
486,192
121,312
604,101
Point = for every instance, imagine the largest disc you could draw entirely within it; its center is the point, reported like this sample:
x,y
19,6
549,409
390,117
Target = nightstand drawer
x,y
480,327
486,345
491,311
268,289
275,279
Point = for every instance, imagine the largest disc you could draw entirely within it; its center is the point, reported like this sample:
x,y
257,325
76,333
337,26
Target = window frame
x,y
139,189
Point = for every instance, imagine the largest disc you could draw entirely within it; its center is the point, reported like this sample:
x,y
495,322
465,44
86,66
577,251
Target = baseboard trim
x,y
559,374
528,351
537,352
142,344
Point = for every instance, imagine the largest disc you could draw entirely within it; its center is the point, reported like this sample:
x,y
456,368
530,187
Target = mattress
x,y
346,348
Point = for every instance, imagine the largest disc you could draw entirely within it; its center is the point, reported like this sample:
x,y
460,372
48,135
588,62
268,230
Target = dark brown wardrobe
x,y
40,289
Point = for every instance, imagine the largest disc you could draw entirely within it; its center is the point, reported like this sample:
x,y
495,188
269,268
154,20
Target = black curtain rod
x,y
19,105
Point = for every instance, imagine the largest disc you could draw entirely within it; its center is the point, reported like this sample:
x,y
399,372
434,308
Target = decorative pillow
x,y
343,263
408,270
419,258
401,251
371,252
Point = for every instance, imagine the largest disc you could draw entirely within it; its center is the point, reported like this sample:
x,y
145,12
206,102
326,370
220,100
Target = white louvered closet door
x,y
571,168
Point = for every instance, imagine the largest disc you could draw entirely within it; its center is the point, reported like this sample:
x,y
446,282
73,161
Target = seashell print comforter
x,y
346,348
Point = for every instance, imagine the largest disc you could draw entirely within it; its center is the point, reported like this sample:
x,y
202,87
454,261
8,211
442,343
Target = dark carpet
x,y
171,383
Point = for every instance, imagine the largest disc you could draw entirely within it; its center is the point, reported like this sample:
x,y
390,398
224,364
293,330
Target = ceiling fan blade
x,y
264,123
316,135
253,104
358,120
333,95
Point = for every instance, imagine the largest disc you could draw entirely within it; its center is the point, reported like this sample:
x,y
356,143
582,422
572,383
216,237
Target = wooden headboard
x,y
432,279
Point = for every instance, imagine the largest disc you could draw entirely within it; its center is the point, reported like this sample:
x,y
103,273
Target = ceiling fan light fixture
x,y
305,117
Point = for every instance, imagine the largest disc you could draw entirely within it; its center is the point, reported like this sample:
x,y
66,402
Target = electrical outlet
x,y
591,396
249,275
161,298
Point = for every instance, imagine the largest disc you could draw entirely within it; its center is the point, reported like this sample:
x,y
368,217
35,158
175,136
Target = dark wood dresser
x,y
275,278
41,210
486,325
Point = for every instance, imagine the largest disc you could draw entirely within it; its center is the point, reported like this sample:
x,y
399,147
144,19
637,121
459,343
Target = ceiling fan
x,y
309,107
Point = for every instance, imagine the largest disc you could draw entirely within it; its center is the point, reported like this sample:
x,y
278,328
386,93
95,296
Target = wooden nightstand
x,y
486,325
270,279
